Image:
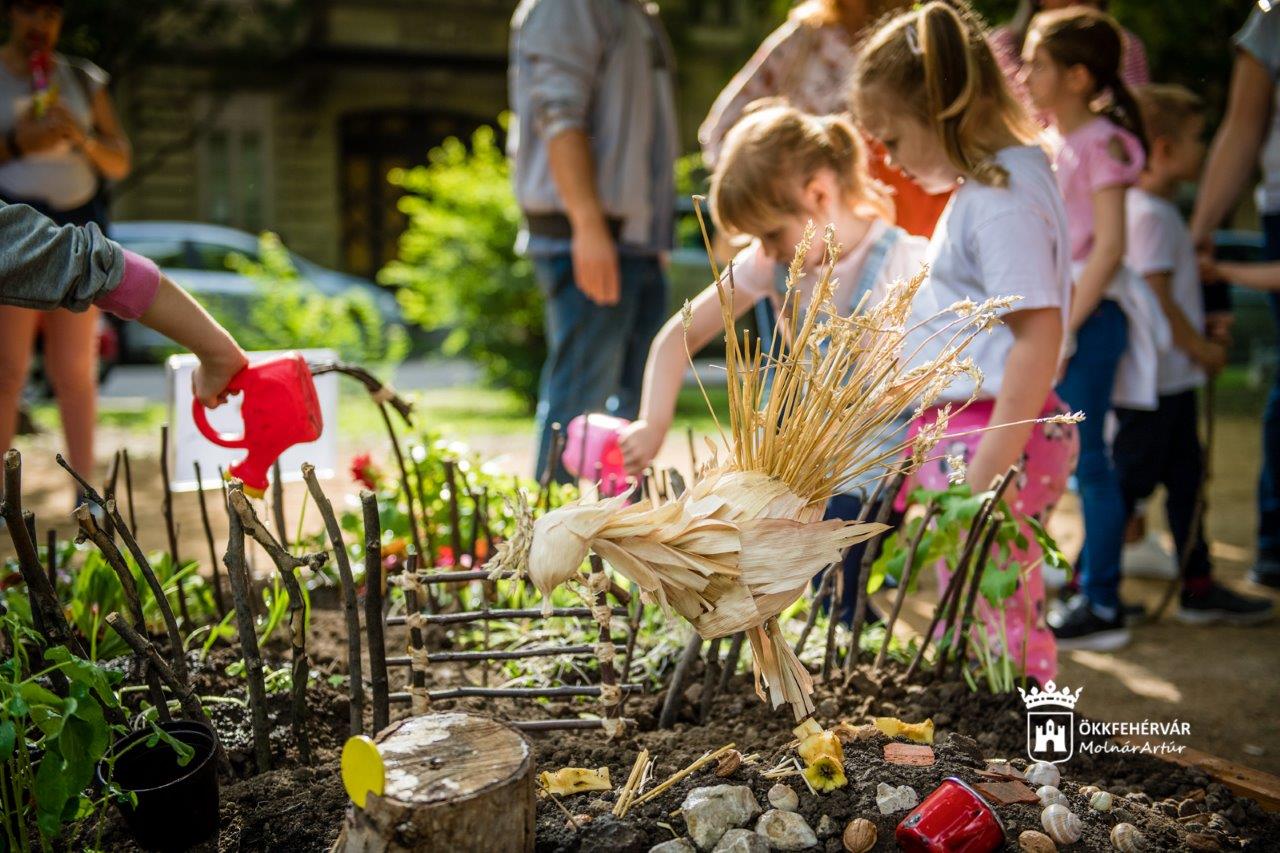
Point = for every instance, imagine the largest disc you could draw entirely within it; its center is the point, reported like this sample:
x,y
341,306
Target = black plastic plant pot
x,y
177,805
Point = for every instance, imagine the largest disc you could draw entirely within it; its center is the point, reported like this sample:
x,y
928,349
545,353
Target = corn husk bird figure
x,y
742,544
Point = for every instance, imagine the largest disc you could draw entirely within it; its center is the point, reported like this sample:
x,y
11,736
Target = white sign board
x,y
187,445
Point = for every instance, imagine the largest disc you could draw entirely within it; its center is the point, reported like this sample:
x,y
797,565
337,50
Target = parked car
x,y
197,256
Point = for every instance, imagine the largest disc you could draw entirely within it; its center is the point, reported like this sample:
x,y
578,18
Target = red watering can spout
x,y
280,409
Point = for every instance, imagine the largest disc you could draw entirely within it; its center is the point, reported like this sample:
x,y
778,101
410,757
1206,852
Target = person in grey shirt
x,y
1250,135
45,266
593,146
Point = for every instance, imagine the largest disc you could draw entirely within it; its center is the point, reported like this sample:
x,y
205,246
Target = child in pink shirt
x,y
1072,58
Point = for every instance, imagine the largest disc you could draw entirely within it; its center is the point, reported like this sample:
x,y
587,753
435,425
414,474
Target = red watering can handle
x,y
221,439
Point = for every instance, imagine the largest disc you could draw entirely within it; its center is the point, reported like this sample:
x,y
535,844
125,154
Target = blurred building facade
x,y
297,132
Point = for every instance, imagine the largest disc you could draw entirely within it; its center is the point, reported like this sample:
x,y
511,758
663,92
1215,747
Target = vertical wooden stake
x,y
904,583
675,687
415,536
599,584
128,490
373,610
731,659
241,589
287,564
417,674
277,504
170,529
350,609
219,605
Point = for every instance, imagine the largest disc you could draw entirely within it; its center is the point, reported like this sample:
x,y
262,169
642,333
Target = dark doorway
x,y
373,144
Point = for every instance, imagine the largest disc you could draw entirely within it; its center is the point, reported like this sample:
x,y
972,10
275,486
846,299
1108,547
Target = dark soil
x,y
296,808
996,726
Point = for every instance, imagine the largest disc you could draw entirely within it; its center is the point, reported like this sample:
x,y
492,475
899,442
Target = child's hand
x,y
209,381
640,442
1212,356
1217,326
1209,273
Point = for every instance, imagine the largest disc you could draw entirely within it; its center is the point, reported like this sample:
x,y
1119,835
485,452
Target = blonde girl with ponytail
x,y
780,170
928,87
1072,73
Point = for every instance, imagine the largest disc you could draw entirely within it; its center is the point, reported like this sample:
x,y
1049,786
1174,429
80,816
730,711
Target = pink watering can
x,y
591,452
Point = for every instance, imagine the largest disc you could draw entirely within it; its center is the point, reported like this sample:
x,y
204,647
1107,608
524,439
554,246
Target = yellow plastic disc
x,y
363,772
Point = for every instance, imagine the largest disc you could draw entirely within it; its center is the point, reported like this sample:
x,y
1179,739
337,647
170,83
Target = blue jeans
x,y
1269,479
595,353
1087,387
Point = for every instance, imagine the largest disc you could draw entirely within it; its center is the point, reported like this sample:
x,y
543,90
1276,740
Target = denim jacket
x,y
604,67
45,266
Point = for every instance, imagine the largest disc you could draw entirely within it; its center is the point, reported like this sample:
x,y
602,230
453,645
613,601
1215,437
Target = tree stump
x,y
454,782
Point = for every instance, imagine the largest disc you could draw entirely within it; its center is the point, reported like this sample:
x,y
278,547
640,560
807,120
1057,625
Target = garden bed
x,y
296,808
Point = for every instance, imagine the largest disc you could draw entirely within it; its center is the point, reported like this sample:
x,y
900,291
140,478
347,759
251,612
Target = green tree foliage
x,y
285,313
457,267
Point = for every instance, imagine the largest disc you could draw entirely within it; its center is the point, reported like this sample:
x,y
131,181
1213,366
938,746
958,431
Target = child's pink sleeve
x,y
1113,158
137,288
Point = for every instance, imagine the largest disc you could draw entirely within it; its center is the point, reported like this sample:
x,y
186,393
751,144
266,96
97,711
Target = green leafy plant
x,y
285,313
49,744
944,540
457,267
92,590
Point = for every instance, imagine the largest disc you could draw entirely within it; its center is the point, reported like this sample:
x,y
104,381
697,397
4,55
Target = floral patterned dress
x,y
810,67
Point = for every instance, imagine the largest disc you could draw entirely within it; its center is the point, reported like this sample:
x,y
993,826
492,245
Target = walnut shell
x,y
728,764
859,836
1031,841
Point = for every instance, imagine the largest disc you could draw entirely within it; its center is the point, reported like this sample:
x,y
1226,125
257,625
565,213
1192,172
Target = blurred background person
x,y
61,144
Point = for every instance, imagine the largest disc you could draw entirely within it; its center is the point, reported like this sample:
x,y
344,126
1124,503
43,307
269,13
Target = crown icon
x,y
1051,695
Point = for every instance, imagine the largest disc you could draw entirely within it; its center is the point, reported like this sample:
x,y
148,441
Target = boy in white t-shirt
x,y
1162,447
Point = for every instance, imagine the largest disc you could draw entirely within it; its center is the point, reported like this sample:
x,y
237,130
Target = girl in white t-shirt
x,y
928,87
779,169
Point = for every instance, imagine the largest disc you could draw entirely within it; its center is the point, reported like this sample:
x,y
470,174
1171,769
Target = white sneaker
x,y
1149,558
1054,578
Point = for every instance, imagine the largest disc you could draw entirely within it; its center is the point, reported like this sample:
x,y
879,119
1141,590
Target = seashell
x,y
1031,841
1126,838
1088,791
1043,773
859,836
1061,824
784,797
728,764
1049,795
1100,801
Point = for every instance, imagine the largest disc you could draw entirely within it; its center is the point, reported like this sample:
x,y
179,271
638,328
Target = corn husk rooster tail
x,y
779,670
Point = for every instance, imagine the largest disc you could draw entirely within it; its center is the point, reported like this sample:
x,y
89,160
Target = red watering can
x,y
280,409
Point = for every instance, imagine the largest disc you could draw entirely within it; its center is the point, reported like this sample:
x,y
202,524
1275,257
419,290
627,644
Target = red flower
x,y
364,472
444,557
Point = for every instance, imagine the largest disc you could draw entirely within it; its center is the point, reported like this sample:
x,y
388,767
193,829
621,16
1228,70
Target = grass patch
x,y
132,416
468,411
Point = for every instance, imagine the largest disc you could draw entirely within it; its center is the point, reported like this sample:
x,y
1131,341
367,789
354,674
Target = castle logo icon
x,y
1051,722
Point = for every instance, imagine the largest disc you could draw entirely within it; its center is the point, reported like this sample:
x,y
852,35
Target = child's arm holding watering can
x,y
664,371
43,266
